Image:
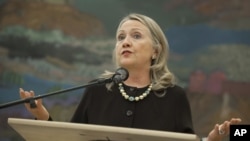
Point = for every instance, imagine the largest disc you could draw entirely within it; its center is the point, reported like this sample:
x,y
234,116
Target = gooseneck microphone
x,y
120,75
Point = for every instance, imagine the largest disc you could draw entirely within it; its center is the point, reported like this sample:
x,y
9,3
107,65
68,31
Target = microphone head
x,y
121,74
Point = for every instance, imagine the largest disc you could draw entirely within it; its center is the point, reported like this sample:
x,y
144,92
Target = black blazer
x,y
169,113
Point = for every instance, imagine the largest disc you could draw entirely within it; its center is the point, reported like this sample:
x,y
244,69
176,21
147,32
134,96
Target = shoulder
x,y
176,89
176,92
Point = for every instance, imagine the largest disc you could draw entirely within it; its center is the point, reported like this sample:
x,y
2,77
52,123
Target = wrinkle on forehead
x,y
134,25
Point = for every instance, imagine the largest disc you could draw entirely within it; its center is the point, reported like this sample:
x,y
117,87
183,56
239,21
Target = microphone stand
x,y
31,100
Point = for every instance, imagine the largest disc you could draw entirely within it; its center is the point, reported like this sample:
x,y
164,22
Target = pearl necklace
x,y
132,98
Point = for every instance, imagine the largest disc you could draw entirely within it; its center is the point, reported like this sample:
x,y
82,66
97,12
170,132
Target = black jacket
x,y
169,113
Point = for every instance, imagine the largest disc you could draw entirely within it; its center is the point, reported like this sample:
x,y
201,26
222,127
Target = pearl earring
x,y
153,57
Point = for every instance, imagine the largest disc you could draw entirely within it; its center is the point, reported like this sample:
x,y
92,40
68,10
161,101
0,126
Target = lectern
x,y
36,130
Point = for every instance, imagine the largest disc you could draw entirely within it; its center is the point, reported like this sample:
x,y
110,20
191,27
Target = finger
x,y
216,127
27,94
221,129
32,93
21,92
224,128
235,120
39,102
24,94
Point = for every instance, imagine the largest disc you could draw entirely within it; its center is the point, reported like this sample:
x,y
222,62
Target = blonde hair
x,y
159,72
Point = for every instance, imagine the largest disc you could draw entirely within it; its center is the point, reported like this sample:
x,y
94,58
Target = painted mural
x,y
51,45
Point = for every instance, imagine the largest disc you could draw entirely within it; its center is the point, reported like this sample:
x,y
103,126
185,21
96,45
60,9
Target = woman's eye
x,y
137,36
120,37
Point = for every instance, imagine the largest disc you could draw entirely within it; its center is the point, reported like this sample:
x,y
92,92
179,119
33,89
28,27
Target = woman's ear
x,y
155,53
153,57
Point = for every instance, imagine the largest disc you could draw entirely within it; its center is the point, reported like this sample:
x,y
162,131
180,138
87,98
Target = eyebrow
x,y
133,29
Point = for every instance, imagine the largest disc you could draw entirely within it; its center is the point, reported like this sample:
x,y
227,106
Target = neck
x,y
138,78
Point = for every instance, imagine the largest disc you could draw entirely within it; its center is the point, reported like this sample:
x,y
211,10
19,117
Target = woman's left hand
x,y
222,130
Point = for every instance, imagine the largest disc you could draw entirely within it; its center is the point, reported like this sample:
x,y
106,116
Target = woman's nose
x,y
126,42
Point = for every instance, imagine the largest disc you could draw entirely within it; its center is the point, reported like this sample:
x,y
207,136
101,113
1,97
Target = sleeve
x,y
183,112
80,115
50,118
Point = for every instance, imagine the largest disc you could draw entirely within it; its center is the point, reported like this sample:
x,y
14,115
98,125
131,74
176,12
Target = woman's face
x,y
134,46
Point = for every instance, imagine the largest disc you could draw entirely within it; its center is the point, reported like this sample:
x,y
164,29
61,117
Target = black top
x,y
169,113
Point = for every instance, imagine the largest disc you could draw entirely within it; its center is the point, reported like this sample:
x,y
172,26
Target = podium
x,y
37,130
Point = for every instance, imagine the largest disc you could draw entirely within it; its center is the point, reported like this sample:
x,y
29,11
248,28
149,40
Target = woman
x,y
149,98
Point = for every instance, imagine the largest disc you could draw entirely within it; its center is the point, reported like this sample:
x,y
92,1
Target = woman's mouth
x,y
126,52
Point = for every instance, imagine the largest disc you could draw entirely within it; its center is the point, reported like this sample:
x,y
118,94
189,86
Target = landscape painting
x,y
52,45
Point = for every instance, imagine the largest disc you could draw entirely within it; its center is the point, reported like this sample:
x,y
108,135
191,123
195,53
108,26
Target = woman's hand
x,y
39,111
222,130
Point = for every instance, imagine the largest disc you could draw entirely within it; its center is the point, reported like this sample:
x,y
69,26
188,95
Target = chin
x,y
126,65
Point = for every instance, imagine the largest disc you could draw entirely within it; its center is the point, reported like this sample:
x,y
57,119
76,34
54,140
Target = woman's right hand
x,y
40,112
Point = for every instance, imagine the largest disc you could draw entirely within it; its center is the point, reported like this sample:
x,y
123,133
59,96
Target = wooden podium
x,y
36,130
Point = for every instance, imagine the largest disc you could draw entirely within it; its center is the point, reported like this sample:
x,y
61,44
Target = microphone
x,y
120,75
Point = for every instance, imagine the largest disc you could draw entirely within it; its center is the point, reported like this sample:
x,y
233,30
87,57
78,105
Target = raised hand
x,y
39,112
222,130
